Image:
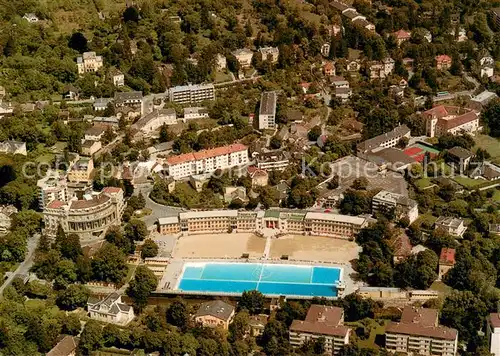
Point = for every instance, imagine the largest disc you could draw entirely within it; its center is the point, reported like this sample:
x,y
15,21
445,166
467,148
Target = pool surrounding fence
x,y
270,279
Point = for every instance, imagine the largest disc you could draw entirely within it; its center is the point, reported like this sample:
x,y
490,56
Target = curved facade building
x,y
89,217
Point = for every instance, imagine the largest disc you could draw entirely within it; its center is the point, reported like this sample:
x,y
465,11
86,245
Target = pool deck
x,y
173,273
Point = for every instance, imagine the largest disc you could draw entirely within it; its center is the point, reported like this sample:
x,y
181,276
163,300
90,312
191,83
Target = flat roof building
x,y
192,94
386,202
267,110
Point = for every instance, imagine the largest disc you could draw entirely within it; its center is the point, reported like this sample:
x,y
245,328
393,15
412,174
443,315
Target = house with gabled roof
x,y
110,309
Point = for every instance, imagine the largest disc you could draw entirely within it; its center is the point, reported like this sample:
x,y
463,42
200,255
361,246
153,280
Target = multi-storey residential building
x,y
399,205
81,171
446,261
117,77
283,221
88,217
267,111
387,140
51,188
273,161
215,313
192,94
321,322
131,99
244,57
444,119
419,333
110,310
155,119
453,226
207,161
270,54
89,63
493,328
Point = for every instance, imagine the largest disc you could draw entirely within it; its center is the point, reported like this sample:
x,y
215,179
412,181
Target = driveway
x,y
157,210
24,267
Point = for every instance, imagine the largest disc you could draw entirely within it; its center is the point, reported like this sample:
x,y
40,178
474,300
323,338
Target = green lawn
x,y
496,195
468,183
490,144
375,329
425,219
222,77
441,288
423,183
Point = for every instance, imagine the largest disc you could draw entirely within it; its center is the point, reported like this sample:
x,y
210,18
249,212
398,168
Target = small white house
x,y
31,17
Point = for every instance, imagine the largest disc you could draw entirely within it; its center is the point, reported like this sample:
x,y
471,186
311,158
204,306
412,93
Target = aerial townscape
x,y
264,177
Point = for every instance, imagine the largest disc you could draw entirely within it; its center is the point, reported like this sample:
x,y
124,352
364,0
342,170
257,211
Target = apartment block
x,y
453,226
207,161
192,94
273,161
387,140
401,206
419,333
321,322
51,188
89,62
267,111
270,54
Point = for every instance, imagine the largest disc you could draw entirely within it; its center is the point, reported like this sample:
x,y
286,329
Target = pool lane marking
x,y
258,282
260,276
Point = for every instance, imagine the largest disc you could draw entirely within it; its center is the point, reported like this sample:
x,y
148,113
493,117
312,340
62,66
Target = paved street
x,y
157,210
26,265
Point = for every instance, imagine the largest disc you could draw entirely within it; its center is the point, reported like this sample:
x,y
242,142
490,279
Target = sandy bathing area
x,y
219,245
314,248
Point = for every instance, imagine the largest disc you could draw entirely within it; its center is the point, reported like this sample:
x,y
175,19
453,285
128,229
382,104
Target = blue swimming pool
x,y
270,279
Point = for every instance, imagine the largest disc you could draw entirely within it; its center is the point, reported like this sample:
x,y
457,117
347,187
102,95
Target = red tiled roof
x,y
443,58
437,332
84,204
55,204
447,256
402,34
214,152
328,66
318,328
325,314
438,111
112,190
421,316
494,319
460,120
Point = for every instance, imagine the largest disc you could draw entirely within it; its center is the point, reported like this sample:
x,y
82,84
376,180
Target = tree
x,y
70,247
253,301
178,314
275,143
91,338
464,311
491,117
109,264
131,14
240,325
360,183
275,339
357,308
115,236
149,249
314,133
75,296
71,324
78,42
165,134
141,286
136,230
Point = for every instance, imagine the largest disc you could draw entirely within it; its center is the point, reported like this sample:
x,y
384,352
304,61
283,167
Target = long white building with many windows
x,y
281,221
192,94
206,161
